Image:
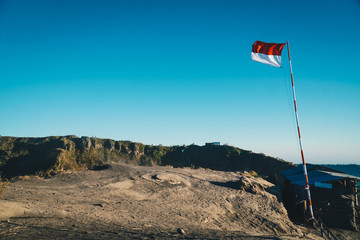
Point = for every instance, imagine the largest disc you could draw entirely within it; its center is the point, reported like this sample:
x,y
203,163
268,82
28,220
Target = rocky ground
x,y
135,202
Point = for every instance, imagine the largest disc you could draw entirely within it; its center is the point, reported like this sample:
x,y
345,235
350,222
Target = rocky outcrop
x,y
45,156
84,143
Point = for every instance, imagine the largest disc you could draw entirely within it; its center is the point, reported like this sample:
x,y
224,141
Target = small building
x,y
334,195
212,144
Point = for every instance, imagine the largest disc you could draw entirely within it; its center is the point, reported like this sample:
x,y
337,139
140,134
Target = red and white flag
x,y
268,53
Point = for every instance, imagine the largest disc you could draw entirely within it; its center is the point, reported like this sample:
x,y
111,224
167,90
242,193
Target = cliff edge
x,y
48,155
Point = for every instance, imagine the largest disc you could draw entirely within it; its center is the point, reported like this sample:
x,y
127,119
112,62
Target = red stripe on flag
x,y
268,48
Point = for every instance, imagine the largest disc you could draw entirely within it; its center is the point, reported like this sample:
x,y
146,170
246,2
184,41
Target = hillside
x,y
90,193
136,202
48,155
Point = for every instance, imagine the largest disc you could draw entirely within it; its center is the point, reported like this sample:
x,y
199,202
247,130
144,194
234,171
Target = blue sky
x,y
179,72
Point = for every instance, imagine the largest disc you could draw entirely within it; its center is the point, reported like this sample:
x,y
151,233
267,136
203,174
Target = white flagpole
x,y
307,187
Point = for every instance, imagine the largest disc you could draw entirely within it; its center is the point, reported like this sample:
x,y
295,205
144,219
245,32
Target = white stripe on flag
x,y
272,60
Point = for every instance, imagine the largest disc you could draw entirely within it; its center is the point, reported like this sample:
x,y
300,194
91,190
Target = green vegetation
x,y
46,156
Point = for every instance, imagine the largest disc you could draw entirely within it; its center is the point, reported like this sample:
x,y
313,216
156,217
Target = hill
x,y
127,201
48,155
107,199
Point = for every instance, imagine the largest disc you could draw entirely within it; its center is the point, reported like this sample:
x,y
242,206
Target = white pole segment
x,y
307,187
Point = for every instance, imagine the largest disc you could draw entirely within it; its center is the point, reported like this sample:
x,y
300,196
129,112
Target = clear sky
x,y
179,72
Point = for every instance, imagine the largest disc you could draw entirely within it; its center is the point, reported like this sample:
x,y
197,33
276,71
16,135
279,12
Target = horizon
x,y
180,72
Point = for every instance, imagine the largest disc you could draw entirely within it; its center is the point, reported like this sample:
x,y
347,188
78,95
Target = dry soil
x,y
135,202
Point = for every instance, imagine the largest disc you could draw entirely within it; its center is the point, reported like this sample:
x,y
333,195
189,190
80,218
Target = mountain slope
x,y
45,156
144,202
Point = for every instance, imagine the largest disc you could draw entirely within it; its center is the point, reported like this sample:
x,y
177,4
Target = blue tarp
x,y
316,173
297,170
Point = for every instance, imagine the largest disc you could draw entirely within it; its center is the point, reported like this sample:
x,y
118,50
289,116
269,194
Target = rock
x,y
118,145
181,231
85,143
109,144
96,143
253,185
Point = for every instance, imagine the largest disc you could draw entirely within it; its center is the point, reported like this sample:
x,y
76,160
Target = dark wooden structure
x,y
335,196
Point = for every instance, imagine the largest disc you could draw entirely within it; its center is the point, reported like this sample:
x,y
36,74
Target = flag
x,y
268,53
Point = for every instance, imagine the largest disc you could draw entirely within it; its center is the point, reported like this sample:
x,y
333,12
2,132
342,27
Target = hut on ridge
x,y
335,195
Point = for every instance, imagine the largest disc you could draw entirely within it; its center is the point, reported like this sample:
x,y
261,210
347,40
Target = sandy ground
x,y
135,202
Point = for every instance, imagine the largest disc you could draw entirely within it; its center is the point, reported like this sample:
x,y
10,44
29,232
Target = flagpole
x,y
307,187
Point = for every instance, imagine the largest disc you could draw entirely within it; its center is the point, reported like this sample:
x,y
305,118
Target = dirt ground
x,y
135,202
